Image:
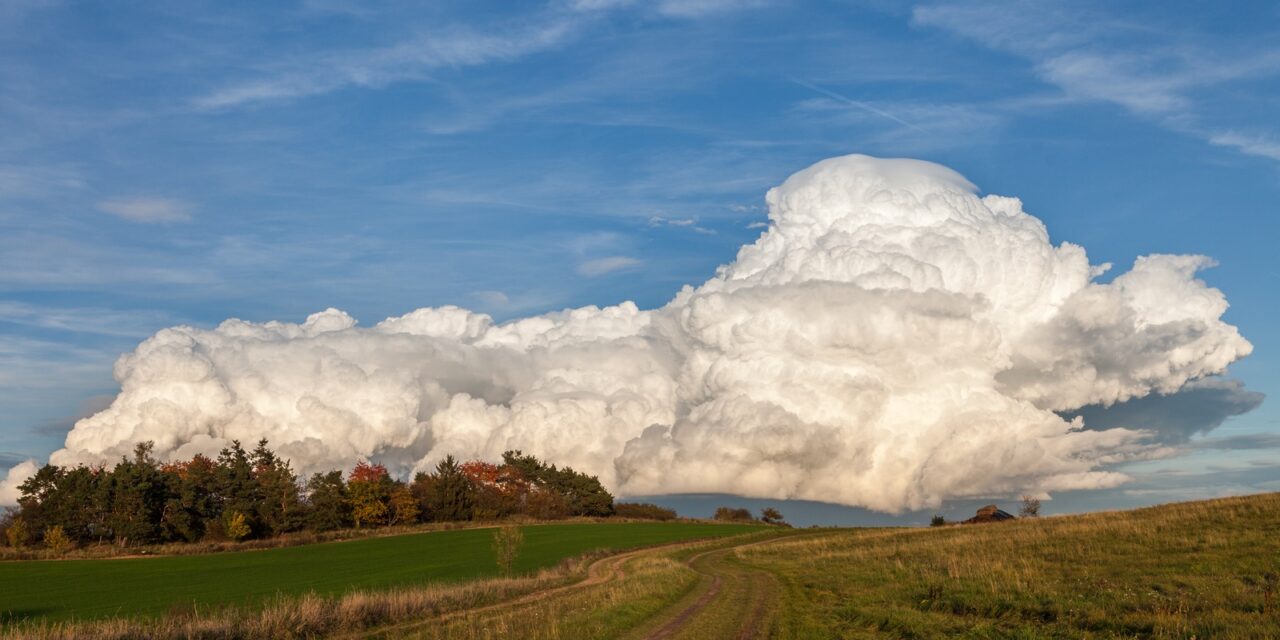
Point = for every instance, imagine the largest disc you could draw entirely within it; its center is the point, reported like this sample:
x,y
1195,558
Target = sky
x,y
184,163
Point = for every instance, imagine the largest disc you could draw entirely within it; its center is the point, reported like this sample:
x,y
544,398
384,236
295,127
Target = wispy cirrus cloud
x,y
1253,145
409,60
1157,74
680,223
601,266
673,8
91,320
147,210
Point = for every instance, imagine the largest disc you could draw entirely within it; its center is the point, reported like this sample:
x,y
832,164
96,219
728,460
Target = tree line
x,y
768,515
244,494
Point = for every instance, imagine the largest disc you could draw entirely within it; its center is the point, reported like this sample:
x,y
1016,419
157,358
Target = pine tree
x,y
327,506
138,497
280,508
237,489
452,493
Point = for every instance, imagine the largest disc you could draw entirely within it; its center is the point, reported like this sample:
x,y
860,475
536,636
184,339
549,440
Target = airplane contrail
x,y
861,105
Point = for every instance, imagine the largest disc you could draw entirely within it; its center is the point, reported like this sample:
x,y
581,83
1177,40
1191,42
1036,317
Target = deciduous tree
x,y
1030,507
506,547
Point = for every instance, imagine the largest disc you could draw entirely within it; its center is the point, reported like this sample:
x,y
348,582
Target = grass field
x,y
1193,570
86,589
1199,570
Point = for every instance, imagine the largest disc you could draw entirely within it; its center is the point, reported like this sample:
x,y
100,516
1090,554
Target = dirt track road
x,y
734,600
600,572
730,600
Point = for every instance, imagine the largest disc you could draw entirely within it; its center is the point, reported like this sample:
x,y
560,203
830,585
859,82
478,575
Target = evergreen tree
x,y
327,504
237,488
582,494
451,497
40,497
193,502
280,508
138,497
423,489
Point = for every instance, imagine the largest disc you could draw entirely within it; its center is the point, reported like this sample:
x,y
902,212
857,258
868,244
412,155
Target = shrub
x,y
730,514
16,534
937,520
1030,507
773,516
237,527
506,547
643,511
56,540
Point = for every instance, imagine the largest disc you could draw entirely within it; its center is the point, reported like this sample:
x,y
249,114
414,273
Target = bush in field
x,y
937,520
730,514
643,511
1030,507
506,547
772,516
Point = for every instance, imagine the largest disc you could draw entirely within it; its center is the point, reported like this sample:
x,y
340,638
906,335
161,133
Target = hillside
x,y
85,589
1199,569
1192,570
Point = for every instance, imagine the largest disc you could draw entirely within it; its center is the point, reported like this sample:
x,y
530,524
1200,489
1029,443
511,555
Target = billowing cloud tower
x,y
892,340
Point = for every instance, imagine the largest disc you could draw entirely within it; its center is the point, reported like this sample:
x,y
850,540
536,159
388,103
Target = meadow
x,y
88,589
1207,569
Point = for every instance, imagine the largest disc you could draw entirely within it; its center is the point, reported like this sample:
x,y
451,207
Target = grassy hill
x,y
1206,569
1193,570
83,589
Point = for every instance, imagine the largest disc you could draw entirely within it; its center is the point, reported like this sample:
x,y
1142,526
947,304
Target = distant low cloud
x,y
147,210
1245,442
601,266
1198,407
61,427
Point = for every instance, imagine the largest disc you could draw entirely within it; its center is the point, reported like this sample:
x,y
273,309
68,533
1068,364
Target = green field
x,y
85,589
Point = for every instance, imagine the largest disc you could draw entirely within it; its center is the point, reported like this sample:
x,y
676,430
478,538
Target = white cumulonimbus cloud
x,y
891,340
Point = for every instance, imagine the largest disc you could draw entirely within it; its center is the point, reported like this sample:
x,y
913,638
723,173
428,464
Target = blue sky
x,y
166,163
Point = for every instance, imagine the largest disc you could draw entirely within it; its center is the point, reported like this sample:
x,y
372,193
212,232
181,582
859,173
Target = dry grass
x,y
1201,569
